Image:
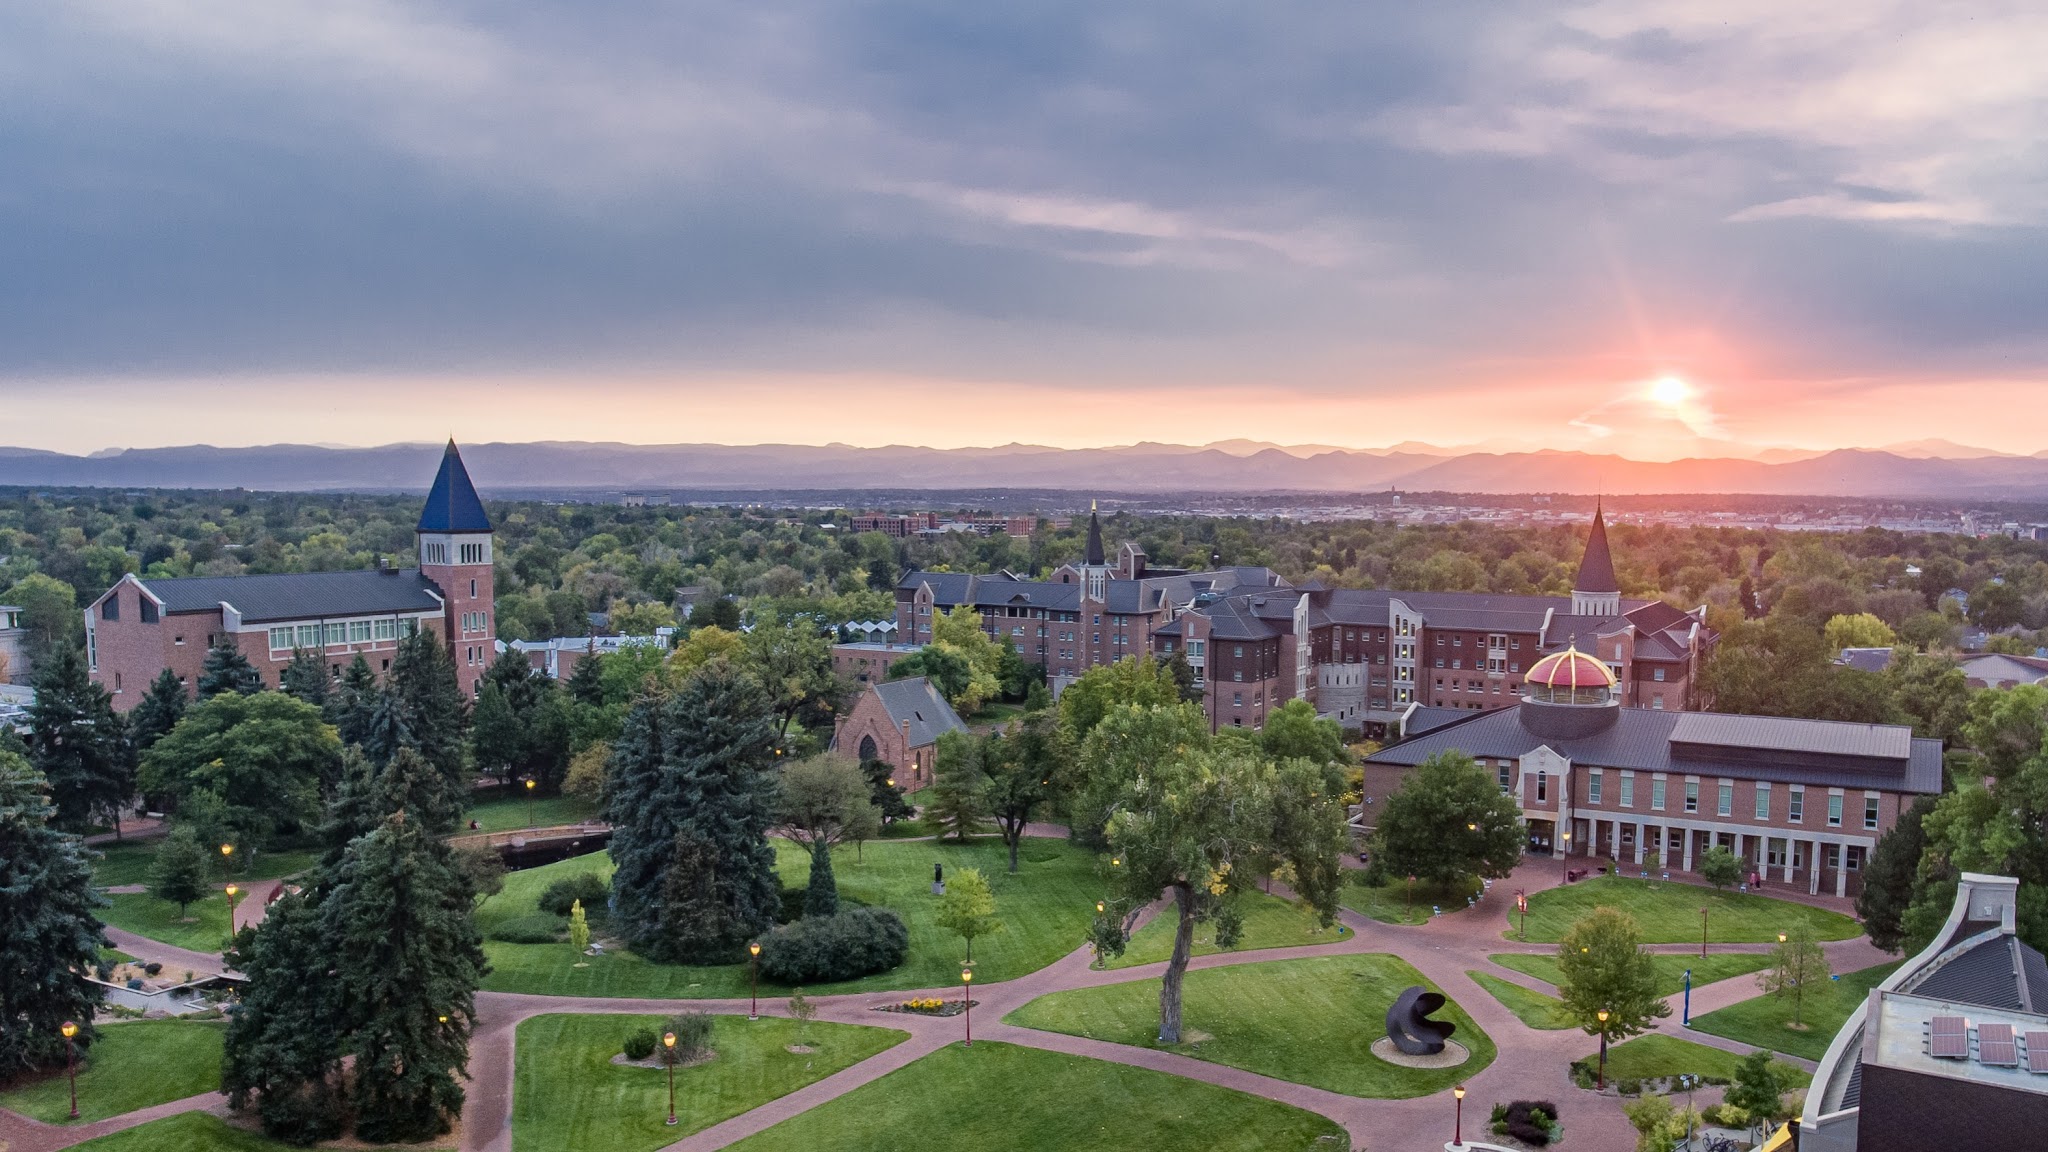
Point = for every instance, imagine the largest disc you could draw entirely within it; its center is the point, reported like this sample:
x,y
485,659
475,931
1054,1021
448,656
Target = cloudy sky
x,y
1076,223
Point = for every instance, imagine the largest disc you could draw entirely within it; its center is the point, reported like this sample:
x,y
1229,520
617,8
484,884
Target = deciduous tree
x,y
178,874
1797,964
1448,821
968,909
1719,867
824,800
245,767
1602,966
1025,771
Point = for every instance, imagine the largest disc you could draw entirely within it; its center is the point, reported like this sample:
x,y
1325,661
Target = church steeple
x,y
1095,557
1595,592
452,503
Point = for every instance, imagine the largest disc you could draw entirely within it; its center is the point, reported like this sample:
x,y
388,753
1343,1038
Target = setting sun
x,y
1670,391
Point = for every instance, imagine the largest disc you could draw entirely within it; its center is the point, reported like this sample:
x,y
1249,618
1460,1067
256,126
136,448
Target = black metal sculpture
x,y
1409,1025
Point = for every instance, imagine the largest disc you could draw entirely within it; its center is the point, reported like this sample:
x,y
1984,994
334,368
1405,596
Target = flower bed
x,y
925,1006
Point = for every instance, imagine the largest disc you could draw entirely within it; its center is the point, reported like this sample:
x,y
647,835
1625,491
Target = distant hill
x,y
1150,467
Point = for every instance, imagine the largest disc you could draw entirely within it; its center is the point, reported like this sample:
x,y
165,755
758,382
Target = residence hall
x,y
141,625
1800,802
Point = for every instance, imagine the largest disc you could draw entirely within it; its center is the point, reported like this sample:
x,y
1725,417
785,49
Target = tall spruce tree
x,y
351,704
48,932
78,744
407,961
497,735
430,700
1889,876
371,792
697,759
158,712
227,670
284,1044
306,678
586,682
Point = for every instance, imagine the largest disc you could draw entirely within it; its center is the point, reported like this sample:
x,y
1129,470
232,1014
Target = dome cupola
x,y
1569,694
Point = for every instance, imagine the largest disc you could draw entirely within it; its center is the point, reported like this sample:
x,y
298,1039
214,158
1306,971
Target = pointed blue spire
x,y
453,505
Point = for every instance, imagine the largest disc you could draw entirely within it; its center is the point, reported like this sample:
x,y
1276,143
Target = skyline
x,y
250,223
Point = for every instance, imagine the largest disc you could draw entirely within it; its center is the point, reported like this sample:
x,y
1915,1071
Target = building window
x,y
1854,861
1724,803
1774,852
309,636
1237,699
337,633
1628,790
384,629
1870,812
1692,795
1795,811
1763,801
148,610
358,631
1542,787
1834,810
110,608
280,639
1657,674
1593,782
1657,794
472,589
1506,776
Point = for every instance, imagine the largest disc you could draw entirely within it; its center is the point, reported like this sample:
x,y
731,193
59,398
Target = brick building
x,y
1799,802
898,722
141,626
14,668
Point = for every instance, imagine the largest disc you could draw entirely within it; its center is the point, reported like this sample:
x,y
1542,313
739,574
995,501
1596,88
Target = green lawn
x,y
1671,969
1269,922
1532,1008
1653,1055
1002,1098
1765,1020
204,929
570,1097
1310,1021
508,813
1670,913
1392,903
1046,909
995,714
128,861
134,1064
199,1132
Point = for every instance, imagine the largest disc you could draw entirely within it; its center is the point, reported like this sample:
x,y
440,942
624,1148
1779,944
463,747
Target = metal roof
x,y
452,503
301,595
1784,734
1596,567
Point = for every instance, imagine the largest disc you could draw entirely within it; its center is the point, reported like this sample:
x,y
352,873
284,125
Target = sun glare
x,y
1670,391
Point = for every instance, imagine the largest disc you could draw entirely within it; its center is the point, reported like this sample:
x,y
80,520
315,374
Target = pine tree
x,y
957,805
370,793
349,708
407,960
385,730
821,894
158,712
306,678
430,701
586,683
284,1044
48,933
496,734
227,670
78,744
178,874
693,921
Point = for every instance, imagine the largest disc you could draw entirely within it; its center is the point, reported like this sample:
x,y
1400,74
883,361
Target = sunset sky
x,y
1816,222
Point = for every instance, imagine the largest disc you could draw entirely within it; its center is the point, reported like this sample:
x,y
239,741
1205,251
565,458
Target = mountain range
x,y
1922,469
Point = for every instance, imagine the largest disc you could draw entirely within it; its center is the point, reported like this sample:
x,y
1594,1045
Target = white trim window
x,y
1763,800
1871,808
1657,793
1795,800
1594,780
1628,789
1834,807
281,638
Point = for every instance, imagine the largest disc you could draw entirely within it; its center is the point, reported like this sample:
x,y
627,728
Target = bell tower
x,y
454,537
1595,592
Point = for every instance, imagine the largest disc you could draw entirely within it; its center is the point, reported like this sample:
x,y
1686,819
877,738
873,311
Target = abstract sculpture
x,y
1409,1025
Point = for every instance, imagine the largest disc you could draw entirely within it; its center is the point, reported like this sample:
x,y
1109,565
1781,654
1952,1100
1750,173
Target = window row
x,y
290,636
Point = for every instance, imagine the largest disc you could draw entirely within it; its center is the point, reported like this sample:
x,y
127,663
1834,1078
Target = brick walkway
x,y
1531,1063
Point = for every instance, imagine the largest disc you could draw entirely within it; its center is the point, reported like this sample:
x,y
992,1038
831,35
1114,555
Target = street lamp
x,y
232,890
530,782
70,1029
227,851
1602,1084
1565,838
1458,1126
1703,933
754,980
668,1044
1522,906
1100,907
967,1001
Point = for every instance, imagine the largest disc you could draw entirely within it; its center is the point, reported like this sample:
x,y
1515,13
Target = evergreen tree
x,y
496,735
823,801
306,678
429,697
158,712
1889,875
586,682
694,899
227,670
78,744
407,961
350,706
385,730
284,1043
48,933
958,802
887,795
370,793
178,874
697,760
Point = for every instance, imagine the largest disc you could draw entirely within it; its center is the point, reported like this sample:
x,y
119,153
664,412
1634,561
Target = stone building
x,y
898,722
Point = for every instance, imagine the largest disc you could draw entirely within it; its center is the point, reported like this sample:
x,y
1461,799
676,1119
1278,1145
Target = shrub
x,y
791,909
588,887
1630,1087
1533,1122
852,943
135,982
640,1044
538,928
152,968
693,1036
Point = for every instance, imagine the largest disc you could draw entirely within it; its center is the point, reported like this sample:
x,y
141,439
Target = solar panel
x,y
2037,1051
1948,1038
1995,1046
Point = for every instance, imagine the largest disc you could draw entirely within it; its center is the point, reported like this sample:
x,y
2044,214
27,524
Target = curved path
x,y
1531,1063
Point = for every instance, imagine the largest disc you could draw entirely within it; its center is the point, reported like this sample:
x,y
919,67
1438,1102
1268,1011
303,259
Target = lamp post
x,y
1522,906
1601,1083
530,782
232,890
1458,1125
227,852
1565,838
967,1002
1685,1020
70,1029
668,1045
1703,933
754,980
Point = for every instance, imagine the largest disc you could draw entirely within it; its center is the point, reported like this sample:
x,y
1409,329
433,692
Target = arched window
x,y
868,751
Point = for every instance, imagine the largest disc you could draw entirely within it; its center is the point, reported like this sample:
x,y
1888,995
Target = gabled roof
x,y
915,700
1596,569
300,595
452,503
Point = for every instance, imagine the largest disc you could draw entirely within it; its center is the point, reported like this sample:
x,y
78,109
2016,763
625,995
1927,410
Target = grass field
x,y
128,861
1670,913
199,1132
145,915
570,1097
134,1064
1046,909
1309,1021
1269,922
1002,1098
1764,1020
1532,1008
1391,903
508,813
1670,969
1649,1056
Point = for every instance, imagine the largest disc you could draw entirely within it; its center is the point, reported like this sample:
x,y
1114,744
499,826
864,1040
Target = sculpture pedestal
x,y
1453,1055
